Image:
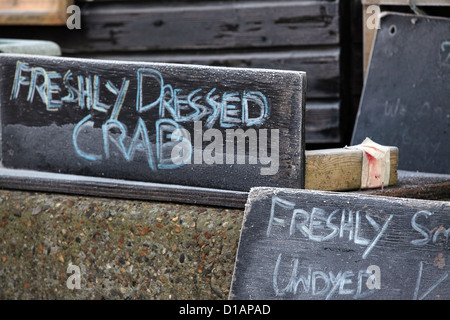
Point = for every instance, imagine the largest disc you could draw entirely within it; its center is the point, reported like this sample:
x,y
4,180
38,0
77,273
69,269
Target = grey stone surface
x,y
124,249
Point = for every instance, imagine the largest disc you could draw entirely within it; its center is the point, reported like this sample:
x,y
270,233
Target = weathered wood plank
x,y
166,123
322,65
32,180
420,186
417,185
211,26
108,27
300,244
322,121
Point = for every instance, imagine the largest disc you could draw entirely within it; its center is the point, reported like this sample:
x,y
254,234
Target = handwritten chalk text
x,y
319,283
319,225
162,113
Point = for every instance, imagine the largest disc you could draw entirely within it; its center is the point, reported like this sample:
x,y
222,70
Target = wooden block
x,y
340,169
303,245
34,12
227,128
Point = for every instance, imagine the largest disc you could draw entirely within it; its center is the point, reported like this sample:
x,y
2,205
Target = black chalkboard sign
x,y
405,101
301,244
225,128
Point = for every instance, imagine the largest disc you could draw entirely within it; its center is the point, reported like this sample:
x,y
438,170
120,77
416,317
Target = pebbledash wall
x,y
118,249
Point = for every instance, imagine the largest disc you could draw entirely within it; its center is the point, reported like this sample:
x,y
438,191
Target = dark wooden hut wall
x,y
289,34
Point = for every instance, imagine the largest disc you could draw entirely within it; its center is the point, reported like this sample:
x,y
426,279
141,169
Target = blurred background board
x,y
405,98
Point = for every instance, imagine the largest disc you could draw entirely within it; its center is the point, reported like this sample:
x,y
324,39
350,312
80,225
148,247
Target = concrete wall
x,y
124,249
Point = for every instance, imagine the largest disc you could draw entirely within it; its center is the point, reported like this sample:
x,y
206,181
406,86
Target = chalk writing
x,y
445,52
318,225
392,110
230,108
441,234
441,279
320,283
162,114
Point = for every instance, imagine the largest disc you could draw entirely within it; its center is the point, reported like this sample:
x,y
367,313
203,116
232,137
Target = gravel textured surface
x,y
124,249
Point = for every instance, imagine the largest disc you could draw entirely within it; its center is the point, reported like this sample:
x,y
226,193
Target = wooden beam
x,y
328,169
117,188
340,169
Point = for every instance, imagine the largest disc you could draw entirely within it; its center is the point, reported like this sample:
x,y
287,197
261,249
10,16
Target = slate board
x,y
405,100
117,119
337,242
